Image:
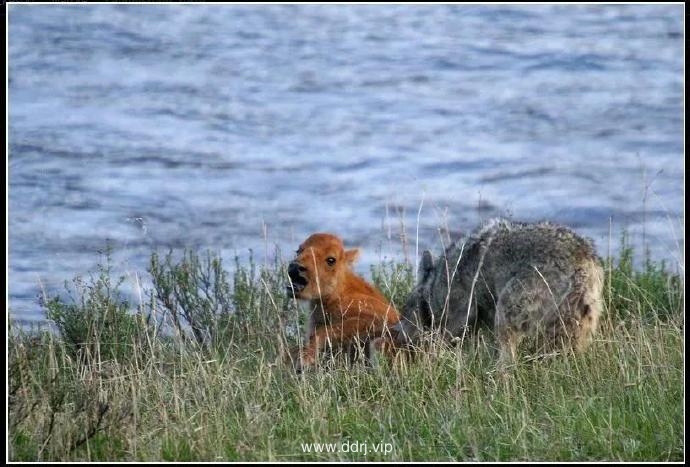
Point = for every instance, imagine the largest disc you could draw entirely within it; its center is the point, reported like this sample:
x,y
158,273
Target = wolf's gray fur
x,y
538,280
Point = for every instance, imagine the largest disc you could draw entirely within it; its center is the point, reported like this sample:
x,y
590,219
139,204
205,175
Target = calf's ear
x,y
351,256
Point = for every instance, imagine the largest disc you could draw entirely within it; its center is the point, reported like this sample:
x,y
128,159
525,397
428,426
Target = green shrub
x,y
648,293
394,280
199,299
96,324
194,292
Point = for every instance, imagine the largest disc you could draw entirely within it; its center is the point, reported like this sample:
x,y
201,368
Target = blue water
x,y
249,127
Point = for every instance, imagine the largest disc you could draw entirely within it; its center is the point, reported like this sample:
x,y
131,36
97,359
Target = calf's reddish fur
x,y
345,308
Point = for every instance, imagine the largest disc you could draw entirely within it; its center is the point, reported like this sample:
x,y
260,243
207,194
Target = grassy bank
x,y
192,373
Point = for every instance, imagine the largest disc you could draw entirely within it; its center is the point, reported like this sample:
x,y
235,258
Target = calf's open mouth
x,y
297,282
296,285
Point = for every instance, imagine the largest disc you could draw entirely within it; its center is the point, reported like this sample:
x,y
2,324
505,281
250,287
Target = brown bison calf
x,y
345,309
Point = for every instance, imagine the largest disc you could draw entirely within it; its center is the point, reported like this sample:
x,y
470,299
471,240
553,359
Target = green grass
x,y
110,386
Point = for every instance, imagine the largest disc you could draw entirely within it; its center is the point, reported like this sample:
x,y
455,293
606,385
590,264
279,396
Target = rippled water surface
x,y
235,127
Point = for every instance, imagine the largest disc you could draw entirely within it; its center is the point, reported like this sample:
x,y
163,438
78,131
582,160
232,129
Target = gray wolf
x,y
539,281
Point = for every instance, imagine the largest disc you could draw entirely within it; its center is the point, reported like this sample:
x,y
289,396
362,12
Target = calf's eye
x,y
330,260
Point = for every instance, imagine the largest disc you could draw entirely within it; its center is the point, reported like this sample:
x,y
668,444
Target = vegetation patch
x,y
194,373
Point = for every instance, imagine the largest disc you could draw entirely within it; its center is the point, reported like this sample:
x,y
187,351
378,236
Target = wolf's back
x,y
462,288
